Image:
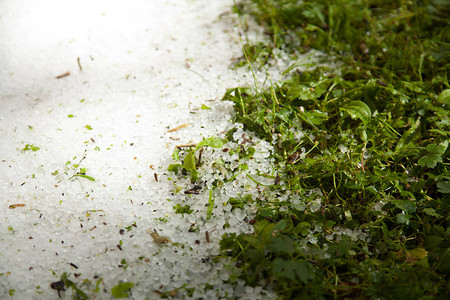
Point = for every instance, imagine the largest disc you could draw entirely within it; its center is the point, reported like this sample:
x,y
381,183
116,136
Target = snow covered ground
x,y
137,69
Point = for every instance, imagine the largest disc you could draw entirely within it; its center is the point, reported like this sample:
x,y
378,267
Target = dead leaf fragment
x,y
414,255
79,64
160,240
186,145
12,206
178,128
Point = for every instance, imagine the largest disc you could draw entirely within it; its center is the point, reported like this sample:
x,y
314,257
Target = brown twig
x,y
200,157
186,145
79,65
362,159
178,128
63,75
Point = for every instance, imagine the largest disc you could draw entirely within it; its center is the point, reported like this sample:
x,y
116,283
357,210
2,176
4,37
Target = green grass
x,y
367,143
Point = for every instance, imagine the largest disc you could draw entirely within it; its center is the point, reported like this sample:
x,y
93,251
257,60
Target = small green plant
x,y
179,209
65,282
30,147
122,290
123,263
76,173
97,285
130,227
192,164
190,161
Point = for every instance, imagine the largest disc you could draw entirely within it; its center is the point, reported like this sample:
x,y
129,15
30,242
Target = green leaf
x,y
88,127
283,269
281,245
434,155
314,13
293,270
264,229
443,187
183,209
444,97
304,270
432,241
189,162
252,240
173,168
284,117
85,176
315,117
407,206
213,141
121,290
403,219
431,212
30,147
210,205
302,228
438,149
267,212
407,137
348,215
358,110
205,107
175,155
281,225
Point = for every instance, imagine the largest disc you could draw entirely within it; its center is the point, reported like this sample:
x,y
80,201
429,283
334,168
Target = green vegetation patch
x,y
180,209
364,147
30,147
122,289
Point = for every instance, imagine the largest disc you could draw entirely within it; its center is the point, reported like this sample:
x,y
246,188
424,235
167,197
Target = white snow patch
x,y
147,67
